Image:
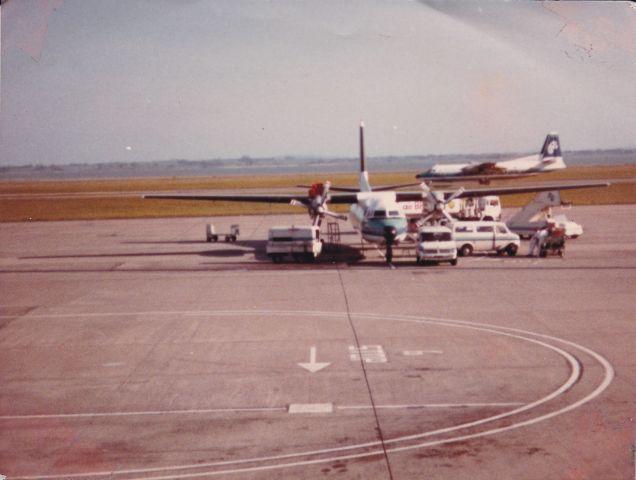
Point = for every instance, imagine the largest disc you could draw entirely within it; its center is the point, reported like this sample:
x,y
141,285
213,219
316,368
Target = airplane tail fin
x,y
364,175
551,147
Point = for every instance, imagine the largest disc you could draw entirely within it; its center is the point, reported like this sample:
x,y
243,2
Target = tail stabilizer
x,y
364,175
551,147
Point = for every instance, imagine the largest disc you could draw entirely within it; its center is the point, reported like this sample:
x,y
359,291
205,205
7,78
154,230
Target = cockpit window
x,y
394,213
379,214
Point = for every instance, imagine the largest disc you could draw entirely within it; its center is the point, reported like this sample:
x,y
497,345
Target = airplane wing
x,y
257,198
485,168
482,192
349,198
543,187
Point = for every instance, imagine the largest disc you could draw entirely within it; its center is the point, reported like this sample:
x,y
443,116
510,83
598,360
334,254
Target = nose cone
x,y
387,229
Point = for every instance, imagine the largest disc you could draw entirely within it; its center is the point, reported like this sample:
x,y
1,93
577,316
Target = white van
x,y
301,243
435,244
485,237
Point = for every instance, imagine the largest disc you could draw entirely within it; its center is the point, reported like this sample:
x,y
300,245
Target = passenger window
x,y
485,229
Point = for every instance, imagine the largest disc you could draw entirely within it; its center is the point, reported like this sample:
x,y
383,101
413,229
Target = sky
x,y
88,81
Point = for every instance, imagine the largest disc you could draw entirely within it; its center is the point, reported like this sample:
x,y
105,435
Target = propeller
x,y
317,207
438,202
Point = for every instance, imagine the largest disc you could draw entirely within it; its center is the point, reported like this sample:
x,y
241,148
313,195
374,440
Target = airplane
x,y
549,159
376,214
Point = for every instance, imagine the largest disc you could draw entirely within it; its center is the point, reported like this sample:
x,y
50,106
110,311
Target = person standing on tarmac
x,y
537,239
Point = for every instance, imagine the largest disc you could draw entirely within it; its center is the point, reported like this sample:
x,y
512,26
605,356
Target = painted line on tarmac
x,y
204,313
431,405
310,408
609,374
142,413
575,375
204,411
418,353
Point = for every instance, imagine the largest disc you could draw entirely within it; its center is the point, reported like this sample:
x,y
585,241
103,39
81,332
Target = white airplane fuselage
x,y
376,213
548,159
532,163
529,164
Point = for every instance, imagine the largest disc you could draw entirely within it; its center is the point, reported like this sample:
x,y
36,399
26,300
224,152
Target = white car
x,y
572,229
435,244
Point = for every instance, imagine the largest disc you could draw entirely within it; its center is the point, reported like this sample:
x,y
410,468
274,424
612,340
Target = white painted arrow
x,y
313,366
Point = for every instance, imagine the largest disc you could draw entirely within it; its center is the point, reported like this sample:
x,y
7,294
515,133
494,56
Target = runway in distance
x,y
376,214
547,160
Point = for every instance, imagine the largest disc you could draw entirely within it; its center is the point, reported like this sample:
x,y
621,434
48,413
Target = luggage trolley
x,y
212,236
554,243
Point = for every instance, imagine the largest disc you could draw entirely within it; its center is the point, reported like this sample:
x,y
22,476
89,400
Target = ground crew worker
x,y
537,239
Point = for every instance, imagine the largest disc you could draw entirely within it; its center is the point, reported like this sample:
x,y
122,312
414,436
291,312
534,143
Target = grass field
x,y
117,198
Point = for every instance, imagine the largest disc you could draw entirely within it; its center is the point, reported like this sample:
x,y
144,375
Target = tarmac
x,y
134,349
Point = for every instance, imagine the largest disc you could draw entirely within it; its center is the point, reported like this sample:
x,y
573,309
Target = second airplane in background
x,y
549,159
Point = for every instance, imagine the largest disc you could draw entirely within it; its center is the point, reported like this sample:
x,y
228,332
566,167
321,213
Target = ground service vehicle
x,y
469,208
435,244
475,208
212,236
485,237
571,228
299,243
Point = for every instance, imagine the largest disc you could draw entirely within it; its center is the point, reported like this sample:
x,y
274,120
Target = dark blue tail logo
x,y
551,147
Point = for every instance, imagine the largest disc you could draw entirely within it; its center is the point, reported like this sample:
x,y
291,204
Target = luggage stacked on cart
x,y
554,243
